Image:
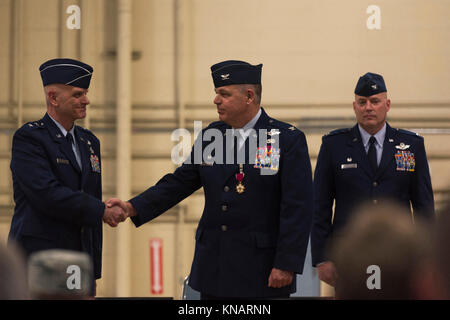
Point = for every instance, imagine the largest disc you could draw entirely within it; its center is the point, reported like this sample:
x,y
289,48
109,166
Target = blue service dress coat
x,y
57,204
241,237
343,175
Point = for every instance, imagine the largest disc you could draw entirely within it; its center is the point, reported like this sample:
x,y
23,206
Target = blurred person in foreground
x,y
437,284
13,276
60,275
384,256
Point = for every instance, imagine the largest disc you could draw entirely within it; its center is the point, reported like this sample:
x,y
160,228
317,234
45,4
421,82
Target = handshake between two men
x,y
117,211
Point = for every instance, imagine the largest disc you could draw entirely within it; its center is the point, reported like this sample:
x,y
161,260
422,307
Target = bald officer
x,y
56,171
252,237
369,162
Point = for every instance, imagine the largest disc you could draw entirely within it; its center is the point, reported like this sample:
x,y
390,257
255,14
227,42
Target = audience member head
x,y
13,276
381,255
60,274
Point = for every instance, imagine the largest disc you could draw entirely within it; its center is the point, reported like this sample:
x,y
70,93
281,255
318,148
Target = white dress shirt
x,y
245,131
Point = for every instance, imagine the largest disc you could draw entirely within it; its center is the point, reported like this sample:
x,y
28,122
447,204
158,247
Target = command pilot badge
x,y
95,163
402,146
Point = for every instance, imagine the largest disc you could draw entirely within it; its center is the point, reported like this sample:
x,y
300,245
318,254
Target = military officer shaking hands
x,y
56,171
253,234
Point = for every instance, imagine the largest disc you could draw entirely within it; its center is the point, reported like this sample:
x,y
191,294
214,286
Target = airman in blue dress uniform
x,y
253,234
370,162
56,171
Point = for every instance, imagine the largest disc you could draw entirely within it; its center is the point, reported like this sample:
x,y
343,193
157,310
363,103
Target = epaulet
x,y
34,125
86,131
282,125
336,132
411,133
88,135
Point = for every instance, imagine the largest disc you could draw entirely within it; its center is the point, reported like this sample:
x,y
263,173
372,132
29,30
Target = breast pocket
x,y
347,173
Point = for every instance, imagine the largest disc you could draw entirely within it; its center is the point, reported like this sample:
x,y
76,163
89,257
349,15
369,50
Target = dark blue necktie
x,y
372,154
69,138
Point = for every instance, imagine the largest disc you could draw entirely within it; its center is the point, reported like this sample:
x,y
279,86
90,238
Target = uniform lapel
x,y
388,150
84,154
356,144
227,168
59,138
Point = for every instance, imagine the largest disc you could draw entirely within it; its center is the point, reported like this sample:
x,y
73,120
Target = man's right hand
x,y
327,273
114,215
127,207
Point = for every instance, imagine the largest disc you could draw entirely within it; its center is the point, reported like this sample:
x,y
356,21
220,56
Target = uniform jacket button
x,y
224,207
226,188
224,228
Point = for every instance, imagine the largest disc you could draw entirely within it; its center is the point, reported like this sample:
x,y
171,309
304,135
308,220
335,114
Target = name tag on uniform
x,y
63,161
349,166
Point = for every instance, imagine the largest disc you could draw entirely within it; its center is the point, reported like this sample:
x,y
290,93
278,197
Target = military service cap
x,y
370,84
66,71
235,72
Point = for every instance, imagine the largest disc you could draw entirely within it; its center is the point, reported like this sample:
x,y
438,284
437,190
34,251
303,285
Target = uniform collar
x,y
379,136
63,130
245,130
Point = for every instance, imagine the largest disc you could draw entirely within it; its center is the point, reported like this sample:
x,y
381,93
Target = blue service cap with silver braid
x,y
66,71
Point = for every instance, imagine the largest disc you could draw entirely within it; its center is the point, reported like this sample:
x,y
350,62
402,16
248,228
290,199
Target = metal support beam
x,y
123,161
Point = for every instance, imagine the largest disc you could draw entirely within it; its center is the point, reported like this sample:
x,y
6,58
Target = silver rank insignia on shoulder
x,y
402,146
391,140
58,135
292,128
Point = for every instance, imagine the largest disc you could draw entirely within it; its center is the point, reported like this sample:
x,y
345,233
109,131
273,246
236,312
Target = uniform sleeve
x,y
296,206
32,171
170,190
324,192
421,190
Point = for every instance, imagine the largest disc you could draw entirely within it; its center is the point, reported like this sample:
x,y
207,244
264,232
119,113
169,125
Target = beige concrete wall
x,y
312,51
